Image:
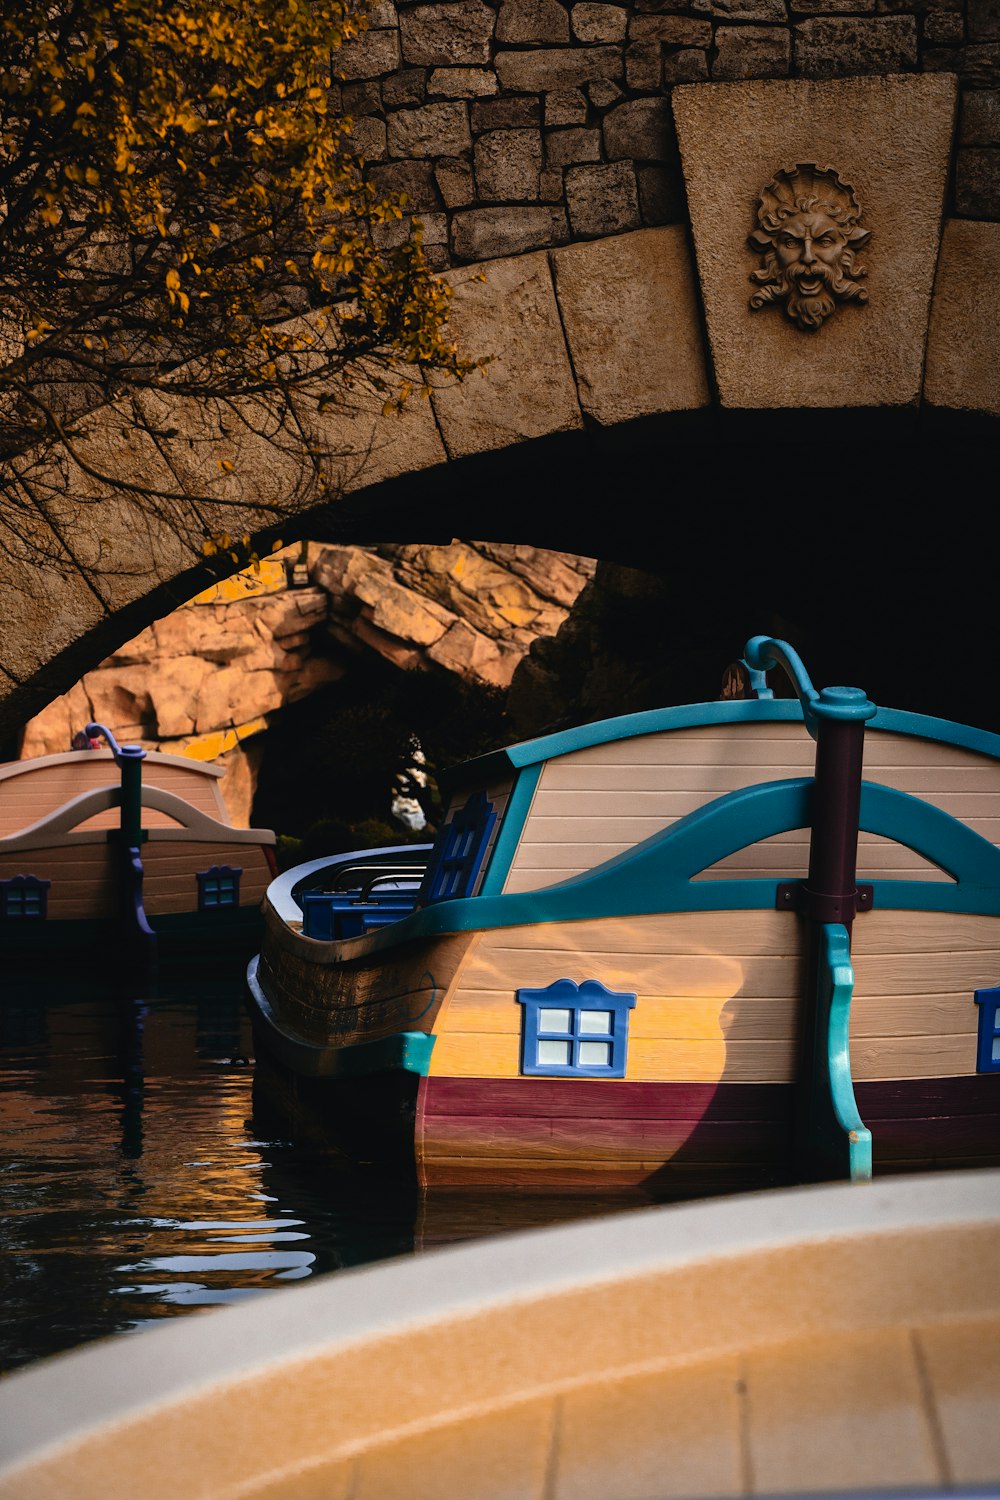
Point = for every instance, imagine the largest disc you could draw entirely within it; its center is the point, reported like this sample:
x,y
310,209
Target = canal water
x,y
139,1183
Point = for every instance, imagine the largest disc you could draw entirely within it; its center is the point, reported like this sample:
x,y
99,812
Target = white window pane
x,y
595,1054
596,1022
554,1020
554,1053
996,1049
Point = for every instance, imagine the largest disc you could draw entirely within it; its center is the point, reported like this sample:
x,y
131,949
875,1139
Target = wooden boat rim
x,y
75,1397
497,764
60,827
67,757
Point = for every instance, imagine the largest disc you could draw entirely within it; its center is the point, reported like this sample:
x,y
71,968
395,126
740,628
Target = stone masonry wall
x,y
520,124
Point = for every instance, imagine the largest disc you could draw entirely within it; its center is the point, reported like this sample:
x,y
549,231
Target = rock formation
x,y
206,679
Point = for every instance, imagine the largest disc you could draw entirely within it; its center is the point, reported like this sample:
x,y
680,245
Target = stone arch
x,y
635,408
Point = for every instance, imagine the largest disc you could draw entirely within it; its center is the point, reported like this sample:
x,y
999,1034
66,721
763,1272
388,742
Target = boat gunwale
x,y
498,763
76,1399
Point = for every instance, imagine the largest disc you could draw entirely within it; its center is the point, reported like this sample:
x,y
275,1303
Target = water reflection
x,y
134,1183
137,1184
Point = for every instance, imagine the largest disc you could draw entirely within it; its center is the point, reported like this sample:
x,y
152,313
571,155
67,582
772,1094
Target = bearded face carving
x,y
808,236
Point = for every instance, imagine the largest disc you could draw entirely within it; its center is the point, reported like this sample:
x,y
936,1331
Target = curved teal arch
x,y
660,874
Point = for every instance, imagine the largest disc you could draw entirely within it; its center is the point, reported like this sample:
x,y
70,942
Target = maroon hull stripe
x,y
933,1121
567,1097
570,1133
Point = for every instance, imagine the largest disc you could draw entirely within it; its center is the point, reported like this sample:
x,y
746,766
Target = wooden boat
x,y
819,1340
124,842
731,941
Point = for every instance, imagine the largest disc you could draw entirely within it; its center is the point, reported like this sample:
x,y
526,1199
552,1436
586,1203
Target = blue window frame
x,y
24,896
219,886
574,1030
463,843
988,1050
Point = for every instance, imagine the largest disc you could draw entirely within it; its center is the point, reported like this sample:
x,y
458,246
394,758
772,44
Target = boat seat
x,y
330,915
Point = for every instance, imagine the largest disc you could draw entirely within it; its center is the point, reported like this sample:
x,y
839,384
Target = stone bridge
x,y
587,176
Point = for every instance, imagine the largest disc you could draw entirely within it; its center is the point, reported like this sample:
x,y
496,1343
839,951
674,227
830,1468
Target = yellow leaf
x,y
227,466
173,281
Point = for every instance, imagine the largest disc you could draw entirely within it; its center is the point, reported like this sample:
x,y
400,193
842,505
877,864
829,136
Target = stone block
x,y
405,89
943,28
771,11
456,32
980,122
377,445
675,31
362,98
532,21
602,200
462,83
557,67
644,66
661,195
435,227
413,178
455,181
685,66
977,183
506,114
980,66
984,20
603,94
640,130
369,138
372,55
528,390
434,130
835,47
733,138
598,22
550,185
944,60
564,148
963,350
630,313
482,233
565,107
752,52
507,164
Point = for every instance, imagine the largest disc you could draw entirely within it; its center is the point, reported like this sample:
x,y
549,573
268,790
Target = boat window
x,y
462,845
219,886
988,1051
24,896
572,1030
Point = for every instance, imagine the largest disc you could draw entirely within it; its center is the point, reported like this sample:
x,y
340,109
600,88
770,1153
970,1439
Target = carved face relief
x,y
807,237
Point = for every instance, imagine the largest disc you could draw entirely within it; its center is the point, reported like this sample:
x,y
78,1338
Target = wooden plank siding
x,y
913,1014
30,790
170,881
595,803
345,1002
692,973
718,993
82,879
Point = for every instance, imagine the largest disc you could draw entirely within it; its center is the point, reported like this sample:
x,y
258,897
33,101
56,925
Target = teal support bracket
x,y
833,1140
